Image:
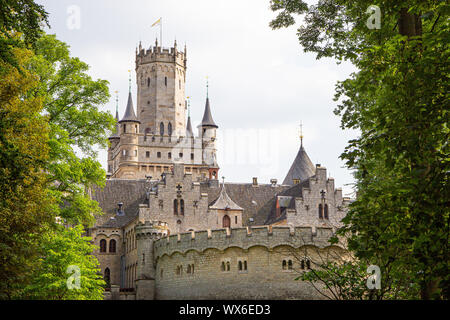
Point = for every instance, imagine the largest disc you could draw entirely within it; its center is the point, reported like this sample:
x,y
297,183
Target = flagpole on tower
x,y
160,31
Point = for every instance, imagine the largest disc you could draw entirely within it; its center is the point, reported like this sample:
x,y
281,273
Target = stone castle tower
x,y
150,142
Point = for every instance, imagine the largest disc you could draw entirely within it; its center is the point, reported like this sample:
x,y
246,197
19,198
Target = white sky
x,y
262,84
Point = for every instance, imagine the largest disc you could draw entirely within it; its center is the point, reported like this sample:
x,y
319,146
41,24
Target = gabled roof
x,y
129,112
224,202
207,117
302,168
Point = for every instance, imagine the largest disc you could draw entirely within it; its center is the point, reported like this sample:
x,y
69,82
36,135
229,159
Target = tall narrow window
x,y
165,81
148,82
290,265
240,266
222,266
124,128
112,246
245,265
103,245
235,219
320,211
107,276
179,84
182,207
325,212
228,266
226,221
161,128
169,129
175,207
284,265
308,264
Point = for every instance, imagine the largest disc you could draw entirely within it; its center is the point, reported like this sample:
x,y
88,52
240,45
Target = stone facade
x,y
172,231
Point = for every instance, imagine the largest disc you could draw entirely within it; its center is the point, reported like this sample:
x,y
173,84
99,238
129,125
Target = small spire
x,y
175,43
156,42
301,134
189,132
207,87
129,80
117,105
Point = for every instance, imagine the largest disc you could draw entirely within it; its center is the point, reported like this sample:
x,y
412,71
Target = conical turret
x,y
130,115
301,169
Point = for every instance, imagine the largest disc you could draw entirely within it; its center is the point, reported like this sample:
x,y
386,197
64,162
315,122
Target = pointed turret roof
x,y
302,168
189,132
116,131
224,202
129,112
207,117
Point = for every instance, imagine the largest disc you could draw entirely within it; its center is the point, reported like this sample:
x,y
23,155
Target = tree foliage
x,y
71,100
65,252
25,203
19,17
398,100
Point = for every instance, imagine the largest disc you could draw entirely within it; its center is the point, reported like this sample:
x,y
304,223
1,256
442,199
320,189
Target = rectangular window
x,y
147,154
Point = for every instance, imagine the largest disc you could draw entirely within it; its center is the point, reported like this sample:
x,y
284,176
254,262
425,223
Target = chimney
x,y
273,182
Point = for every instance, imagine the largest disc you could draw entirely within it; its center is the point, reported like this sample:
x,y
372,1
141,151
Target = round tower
x,y
146,234
128,150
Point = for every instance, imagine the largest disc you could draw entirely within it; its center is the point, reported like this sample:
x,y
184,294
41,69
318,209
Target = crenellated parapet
x,y
244,238
151,230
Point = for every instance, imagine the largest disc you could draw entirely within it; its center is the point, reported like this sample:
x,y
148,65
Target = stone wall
x,y
263,250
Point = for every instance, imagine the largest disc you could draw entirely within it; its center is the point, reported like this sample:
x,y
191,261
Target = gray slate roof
x,y
129,112
252,199
224,202
207,117
302,168
189,132
130,192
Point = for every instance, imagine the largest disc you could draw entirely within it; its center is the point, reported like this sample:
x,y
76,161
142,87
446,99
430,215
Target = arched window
x,y
290,265
188,269
226,221
169,129
107,276
320,211
325,212
103,245
245,265
165,81
175,207
169,155
302,264
284,264
228,265
222,266
240,265
308,264
112,246
182,207
161,128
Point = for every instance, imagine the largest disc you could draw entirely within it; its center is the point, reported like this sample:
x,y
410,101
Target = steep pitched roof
x,y
189,132
130,192
207,117
302,168
252,199
224,202
116,131
129,112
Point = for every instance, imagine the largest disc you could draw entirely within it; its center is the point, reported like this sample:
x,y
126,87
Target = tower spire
x,y
129,81
301,134
117,105
189,132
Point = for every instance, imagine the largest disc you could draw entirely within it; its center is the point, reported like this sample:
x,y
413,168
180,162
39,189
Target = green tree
x,y
66,254
19,17
71,100
398,100
25,203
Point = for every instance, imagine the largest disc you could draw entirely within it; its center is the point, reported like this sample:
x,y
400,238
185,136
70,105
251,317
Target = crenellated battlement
x,y
160,54
244,238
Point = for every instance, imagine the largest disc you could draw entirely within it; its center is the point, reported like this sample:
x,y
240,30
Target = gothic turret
x,y
130,115
301,169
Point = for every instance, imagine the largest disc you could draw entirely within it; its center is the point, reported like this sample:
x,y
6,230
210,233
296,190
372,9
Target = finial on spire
x,y
189,105
207,87
301,134
223,180
117,103
156,42
175,43
129,80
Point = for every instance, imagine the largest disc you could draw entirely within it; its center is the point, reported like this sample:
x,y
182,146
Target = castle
x,y
171,230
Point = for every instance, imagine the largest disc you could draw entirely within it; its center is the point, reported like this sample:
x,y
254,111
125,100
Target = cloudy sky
x,y
262,84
